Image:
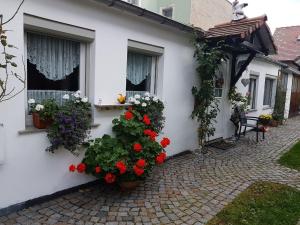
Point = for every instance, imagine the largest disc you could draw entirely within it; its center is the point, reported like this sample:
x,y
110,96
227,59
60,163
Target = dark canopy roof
x,y
250,32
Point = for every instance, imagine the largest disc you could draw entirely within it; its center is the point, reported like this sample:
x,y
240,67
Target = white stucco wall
x,y
28,171
263,68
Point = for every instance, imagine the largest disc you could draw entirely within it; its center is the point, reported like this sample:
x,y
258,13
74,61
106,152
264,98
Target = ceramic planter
x,y
129,185
40,123
274,123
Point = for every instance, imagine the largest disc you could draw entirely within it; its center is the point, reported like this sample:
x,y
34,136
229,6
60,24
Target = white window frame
x,y
57,29
166,8
153,80
256,78
82,73
157,53
138,2
273,91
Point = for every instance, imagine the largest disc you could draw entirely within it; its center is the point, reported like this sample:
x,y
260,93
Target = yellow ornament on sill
x,y
121,99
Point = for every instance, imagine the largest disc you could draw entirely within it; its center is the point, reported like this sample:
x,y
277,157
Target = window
x,y
269,92
219,82
168,12
141,73
134,2
252,92
55,67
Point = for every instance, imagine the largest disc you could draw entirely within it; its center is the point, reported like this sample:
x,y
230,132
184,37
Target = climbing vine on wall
x,y
209,57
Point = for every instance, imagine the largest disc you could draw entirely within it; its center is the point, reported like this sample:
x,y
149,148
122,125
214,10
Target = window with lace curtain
x,y
141,73
55,67
270,91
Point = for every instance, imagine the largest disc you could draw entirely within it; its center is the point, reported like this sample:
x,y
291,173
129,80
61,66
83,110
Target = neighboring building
x,y
199,13
246,64
288,41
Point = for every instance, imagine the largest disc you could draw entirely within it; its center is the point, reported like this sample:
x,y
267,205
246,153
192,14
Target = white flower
x,y
147,94
76,95
155,99
31,101
66,97
144,104
84,99
137,96
77,101
39,107
137,102
131,99
147,98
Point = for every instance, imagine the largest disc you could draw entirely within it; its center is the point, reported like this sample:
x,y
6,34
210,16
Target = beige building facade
x,y
200,13
208,13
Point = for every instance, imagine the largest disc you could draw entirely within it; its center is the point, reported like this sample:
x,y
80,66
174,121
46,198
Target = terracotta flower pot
x,y
274,123
40,123
129,185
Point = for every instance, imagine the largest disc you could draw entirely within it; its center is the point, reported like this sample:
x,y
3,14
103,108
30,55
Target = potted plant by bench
x,y
265,119
42,114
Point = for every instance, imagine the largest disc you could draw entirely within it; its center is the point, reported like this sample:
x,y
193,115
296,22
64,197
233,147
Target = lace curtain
x,y
138,67
54,58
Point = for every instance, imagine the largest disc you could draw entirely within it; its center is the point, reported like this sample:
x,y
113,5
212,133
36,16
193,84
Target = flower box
x,y
40,123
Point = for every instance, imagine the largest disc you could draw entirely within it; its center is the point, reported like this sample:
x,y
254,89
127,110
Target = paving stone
x,y
189,189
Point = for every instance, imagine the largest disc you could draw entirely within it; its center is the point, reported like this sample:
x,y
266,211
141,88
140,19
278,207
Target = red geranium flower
x,y
147,132
138,171
110,178
165,142
98,169
121,166
153,135
137,147
161,158
72,168
146,120
128,115
81,167
141,163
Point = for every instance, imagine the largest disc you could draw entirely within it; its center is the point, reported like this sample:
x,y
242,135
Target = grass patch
x,y
291,159
263,203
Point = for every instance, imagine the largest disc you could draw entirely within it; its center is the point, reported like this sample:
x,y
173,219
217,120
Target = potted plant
x,y
128,157
265,119
151,106
71,124
42,114
277,119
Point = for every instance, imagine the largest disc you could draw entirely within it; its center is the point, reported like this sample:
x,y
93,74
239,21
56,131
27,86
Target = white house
x,y
97,41
102,34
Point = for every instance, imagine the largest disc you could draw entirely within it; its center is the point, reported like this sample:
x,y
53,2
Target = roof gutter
x,y
138,11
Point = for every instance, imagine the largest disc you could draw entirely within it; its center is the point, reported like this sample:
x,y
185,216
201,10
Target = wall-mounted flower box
x,y
112,106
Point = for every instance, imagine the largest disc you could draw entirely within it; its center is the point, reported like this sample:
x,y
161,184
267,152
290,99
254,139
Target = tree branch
x,y
13,16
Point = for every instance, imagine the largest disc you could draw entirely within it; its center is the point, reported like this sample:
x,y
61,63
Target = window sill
x,y
251,110
33,130
266,107
112,107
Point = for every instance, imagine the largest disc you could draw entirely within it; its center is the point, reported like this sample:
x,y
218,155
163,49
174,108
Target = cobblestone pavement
x,y
189,189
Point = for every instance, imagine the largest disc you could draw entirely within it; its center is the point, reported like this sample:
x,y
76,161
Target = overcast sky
x,y
280,13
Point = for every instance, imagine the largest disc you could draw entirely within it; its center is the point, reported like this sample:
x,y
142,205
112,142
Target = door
x,y
221,88
295,97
